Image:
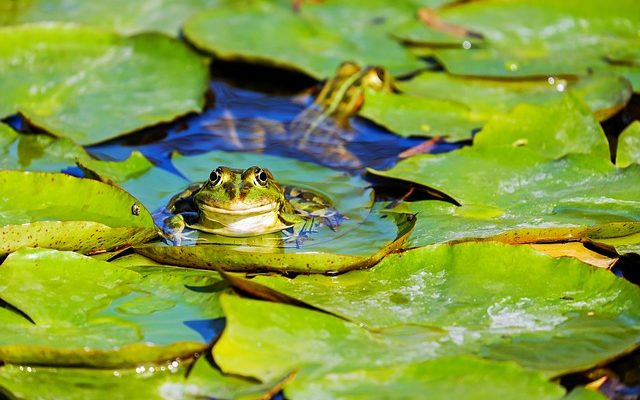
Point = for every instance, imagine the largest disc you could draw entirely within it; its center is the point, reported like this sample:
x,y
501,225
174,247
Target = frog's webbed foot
x,y
301,232
174,231
188,238
332,219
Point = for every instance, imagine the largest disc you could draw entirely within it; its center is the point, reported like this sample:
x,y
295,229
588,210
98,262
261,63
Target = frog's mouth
x,y
211,210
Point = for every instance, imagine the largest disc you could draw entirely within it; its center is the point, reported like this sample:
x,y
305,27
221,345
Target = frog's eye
x,y
261,177
216,176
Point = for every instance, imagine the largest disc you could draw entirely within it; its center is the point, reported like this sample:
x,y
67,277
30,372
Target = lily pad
x,y
500,301
156,381
521,195
315,40
567,38
362,238
409,115
49,383
447,378
63,78
40,152
439,104
629,146
60,211
98,314
122,16
567,127
604,93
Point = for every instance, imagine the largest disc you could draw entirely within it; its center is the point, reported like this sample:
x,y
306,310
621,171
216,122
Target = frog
x,y
322,130
323,127
245,203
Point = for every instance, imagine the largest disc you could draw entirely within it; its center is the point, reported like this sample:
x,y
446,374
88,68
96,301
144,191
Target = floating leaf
x,y
64,79
503,302
521,195
315,40
447,378
44,383
552,130
629,146
166,380
604,93
100,314
439,104
567,38
68,213
40,152
123,16
409,115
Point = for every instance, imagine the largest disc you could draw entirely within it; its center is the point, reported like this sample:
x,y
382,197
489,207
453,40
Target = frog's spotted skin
x,y
242,203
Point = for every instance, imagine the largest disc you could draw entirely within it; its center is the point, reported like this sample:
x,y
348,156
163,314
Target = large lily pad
x,y
40,152
123,16
505,189
567,127
87,312
543,37
438,104
171,380
314,40
409,115
60,211
604,93
629,146
447,378
503,302
362,238
50,383
64,79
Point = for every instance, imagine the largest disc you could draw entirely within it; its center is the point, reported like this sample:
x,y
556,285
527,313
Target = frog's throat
x,y
257,220
267,208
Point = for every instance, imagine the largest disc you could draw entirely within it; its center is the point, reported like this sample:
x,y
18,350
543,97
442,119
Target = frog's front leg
x,y
173,229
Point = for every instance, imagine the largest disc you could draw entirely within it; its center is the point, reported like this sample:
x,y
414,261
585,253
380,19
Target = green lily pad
x,y
499,301
94,313
604,93
122,16
43,209
362,238
567,127
64,79
44,383
522,195
39,152
447,378
408,115
567,38
156,381
439,104
629,146
315,40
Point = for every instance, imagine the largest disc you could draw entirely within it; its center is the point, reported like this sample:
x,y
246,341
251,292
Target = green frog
x,y
243,203
323,127
321,130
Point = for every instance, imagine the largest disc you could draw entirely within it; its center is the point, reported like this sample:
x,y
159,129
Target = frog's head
x,y
244,202
343,94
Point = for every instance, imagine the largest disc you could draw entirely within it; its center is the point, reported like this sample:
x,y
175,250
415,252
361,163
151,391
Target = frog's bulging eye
x,y
216,176
261,177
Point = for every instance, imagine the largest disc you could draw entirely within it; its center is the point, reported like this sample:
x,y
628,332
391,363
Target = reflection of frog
x,y
246,203
321,131
323,127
